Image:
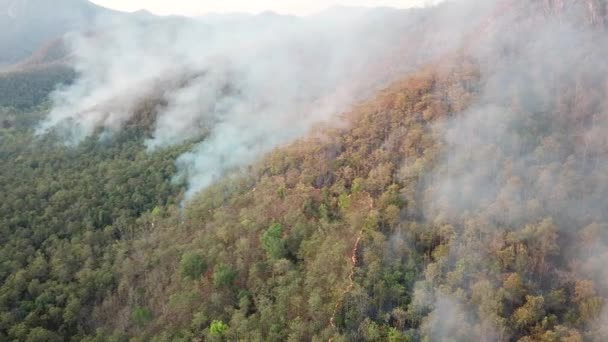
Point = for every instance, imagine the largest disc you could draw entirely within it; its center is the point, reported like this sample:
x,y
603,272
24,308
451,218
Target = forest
x,y
464,202
29,88
66,215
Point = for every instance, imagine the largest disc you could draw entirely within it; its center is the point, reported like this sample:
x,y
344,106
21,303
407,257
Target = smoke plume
x,y
240,84
529,149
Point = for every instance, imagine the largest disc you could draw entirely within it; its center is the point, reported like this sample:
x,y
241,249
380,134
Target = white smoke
x,y
244,83
529,146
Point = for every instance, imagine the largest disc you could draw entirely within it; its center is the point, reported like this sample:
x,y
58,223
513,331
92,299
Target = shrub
x,y
192,265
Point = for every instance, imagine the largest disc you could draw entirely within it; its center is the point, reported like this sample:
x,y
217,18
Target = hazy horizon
x,y
296,7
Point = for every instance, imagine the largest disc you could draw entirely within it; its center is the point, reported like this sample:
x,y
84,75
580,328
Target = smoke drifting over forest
x,y
428,174
244,86
527,148
247,84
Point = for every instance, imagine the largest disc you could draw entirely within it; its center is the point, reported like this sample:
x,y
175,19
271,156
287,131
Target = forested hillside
x,y
29,88
66,215
464,202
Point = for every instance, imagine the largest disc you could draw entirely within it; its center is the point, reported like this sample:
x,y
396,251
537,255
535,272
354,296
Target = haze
x,y
301,7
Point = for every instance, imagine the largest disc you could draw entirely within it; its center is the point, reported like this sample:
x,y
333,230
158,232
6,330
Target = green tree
x,y
223,276
218,328
272,242
192,265
141,315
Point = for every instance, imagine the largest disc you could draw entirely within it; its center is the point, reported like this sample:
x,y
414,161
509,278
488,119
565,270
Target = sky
x,y
299,7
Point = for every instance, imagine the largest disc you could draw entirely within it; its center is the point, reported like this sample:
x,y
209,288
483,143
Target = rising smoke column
x,y
245,84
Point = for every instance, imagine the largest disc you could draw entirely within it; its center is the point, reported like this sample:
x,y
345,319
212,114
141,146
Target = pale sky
x,y
198,7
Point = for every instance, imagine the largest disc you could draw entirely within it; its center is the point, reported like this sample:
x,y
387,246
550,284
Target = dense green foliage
x,y
217,328
64,218
192,265
28,88
272,243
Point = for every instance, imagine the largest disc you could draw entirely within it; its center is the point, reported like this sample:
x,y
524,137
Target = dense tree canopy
x,y
463,203
66,214
30,87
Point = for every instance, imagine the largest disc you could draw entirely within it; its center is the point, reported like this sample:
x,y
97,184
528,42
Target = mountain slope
x,y
465,202
33,58
25,25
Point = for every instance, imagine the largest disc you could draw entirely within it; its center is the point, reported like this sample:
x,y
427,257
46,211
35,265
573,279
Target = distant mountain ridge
x,y
33,56
26,25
